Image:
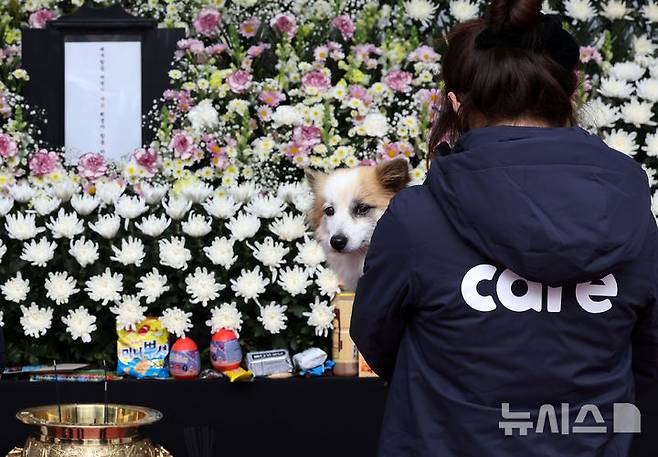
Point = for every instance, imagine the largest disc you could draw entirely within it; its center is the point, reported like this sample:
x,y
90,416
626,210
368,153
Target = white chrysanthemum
x,y
273,317
109,191
105,287
196,225
226,316
196,191
67,225
327,281
294,280
303,201
627,71
244,192
80,324
221,207
463,10
375,124
152,285
266,207
243,226
45,205
60,286
22,192
287,115
321,317
250,284
614,9
38,253
129,312
130,207
6,204
107,226
3,249
289,227
176,321
269,253
288,191
35,320
615,88
203,116
643,46
310,253
21,226
154,193
622,141
650,11
220,252
420,10
2,318
580,10
598,114
174,254
84,204
65,189
648,89
650,146
637,113
153,225
16,289
177,207
84,251
131,252
202,286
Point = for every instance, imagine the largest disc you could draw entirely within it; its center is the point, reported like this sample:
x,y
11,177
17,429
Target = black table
x,y
322,417
325,417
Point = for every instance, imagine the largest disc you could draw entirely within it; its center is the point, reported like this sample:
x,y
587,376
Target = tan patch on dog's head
x,y
316,180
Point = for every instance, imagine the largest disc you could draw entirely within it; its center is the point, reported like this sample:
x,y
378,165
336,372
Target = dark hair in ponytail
x,y
508,64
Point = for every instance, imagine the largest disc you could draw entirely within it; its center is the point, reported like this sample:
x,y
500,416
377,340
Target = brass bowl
x,y
86,430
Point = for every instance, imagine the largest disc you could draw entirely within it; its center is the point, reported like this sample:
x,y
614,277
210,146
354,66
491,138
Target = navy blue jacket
x,y
522,272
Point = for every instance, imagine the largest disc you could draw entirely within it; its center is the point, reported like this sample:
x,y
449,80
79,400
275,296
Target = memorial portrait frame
x,y
43,58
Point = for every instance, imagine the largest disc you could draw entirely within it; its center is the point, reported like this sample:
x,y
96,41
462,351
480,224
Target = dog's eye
x,y
329,211
361,209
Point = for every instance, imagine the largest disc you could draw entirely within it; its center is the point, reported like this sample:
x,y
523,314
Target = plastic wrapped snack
x,y
266,363
310,358
142,353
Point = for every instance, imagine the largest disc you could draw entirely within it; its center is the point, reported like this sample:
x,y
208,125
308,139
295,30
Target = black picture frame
x,y
43,59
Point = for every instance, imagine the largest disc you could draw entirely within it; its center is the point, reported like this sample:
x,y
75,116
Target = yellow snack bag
x,y
143,352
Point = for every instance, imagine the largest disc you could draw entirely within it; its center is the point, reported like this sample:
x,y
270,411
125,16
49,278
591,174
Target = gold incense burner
x,y
89,430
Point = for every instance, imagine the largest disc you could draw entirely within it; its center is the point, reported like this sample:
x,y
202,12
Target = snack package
x,y
239,374
143,353
310,358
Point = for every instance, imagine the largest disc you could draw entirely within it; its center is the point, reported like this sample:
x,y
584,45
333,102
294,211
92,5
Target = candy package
x,y
143,353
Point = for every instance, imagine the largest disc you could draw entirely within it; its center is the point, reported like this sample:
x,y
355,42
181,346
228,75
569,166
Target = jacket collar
x,y
484,135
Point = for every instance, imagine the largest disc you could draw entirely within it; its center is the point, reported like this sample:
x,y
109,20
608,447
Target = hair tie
x,y
549,37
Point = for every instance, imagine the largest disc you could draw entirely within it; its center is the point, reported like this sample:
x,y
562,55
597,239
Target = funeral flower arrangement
x,y
205,225
201,260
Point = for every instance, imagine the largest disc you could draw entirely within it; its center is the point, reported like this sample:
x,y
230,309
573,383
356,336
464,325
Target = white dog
x,y
348,203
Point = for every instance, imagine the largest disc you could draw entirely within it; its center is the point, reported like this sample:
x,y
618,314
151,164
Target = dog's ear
x,y
314,178
393,174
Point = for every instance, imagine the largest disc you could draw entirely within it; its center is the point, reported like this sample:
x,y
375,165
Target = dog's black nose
x,y
338,242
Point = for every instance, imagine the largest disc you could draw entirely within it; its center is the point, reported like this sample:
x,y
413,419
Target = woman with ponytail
x,y
510,300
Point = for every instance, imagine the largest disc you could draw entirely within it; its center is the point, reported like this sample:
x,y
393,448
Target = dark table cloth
x,y
327,417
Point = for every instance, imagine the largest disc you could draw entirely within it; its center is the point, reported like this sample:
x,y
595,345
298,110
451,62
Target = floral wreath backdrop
x,y
206,226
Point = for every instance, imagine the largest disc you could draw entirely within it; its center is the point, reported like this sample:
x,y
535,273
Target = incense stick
x,y
59,403
105,393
